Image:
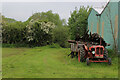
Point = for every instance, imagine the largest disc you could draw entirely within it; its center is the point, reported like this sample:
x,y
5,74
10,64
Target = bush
x,y
39,33
61,35
111,53
36,31
14,45
78,21
12,34
54,45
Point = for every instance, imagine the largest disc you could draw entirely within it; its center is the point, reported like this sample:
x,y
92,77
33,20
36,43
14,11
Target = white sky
x,y
54,0
21,10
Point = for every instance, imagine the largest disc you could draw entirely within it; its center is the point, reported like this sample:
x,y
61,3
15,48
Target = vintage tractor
x,y
97,54
89,51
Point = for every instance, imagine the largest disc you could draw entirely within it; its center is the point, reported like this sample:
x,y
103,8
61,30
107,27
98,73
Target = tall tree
x,y
78,21
48,16
61,35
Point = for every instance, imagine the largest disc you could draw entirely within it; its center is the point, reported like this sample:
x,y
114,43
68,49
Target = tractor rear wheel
x,y
87,61
109,61
82,54
105,54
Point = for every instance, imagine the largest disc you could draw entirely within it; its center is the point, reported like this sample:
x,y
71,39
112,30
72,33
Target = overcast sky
x,y
21,11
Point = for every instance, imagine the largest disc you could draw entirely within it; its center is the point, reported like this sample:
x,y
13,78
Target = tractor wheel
x,y
109,61
82,54
87,61
105,54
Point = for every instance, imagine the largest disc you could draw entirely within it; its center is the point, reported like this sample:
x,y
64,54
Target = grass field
x,y
46,62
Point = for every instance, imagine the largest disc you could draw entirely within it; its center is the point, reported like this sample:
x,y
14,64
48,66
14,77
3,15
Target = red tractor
x,y
89,52
89,47
96,53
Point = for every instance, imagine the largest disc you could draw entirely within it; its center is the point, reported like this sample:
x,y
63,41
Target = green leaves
x,y
78,21
45,28
48,16
61,35
36,31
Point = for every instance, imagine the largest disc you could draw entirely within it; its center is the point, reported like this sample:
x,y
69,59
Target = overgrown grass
x,y
4,45
54,45
47,62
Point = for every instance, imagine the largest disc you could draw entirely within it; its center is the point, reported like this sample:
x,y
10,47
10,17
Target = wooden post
x,y
79,55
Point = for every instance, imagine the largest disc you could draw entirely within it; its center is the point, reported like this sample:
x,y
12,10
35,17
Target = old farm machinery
x,y
89,48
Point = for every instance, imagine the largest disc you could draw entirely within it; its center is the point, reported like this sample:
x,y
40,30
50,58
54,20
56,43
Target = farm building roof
x,y
101,9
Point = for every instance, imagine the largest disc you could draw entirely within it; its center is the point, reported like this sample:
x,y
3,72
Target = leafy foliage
x,y
48,16
45,28
61,35
38,30
78,21
7,20
13,33
54,45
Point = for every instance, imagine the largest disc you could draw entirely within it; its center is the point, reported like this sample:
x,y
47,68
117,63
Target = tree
x,y
45,18
7,20
39,33
13,33
48,16
78,21
61,35
36,31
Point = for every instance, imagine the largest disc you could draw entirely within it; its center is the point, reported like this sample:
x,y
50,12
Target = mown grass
x,y
47,62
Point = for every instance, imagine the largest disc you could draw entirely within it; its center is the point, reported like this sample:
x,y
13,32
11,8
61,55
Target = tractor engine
x,y
96,51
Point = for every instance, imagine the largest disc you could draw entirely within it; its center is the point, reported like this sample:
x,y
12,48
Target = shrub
x,y
14,45
78,21
61,35
39,33
13,34
111,53
54,45
36,31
